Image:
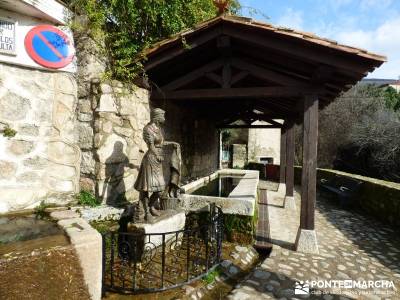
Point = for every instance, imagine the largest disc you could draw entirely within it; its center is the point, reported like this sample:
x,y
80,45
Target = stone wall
x,y
379,198
120,115
110,119
265,143
42,161
239,155
92,66
197,136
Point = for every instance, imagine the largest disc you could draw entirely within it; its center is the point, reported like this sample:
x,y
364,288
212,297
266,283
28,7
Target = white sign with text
x,y
7,36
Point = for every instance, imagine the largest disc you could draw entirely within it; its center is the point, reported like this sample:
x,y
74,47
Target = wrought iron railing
x,y
140,263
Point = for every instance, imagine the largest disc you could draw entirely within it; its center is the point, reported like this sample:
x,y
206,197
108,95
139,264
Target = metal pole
x,y
188,257
163,260
112,258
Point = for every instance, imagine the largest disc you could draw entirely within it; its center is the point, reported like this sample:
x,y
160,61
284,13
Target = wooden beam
x,y
268,112
249,126
224,46
292,47
289,173
296,66
282,167
266,74
239,76
226,74
272,122
309,169
193,75
233,93
250,115
282,104
322,74
191,43
214,77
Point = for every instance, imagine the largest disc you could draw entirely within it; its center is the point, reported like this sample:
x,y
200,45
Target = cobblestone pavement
x,y
352,247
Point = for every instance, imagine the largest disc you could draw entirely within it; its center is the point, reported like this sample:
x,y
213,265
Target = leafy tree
x,y
358,133
129,26
392,98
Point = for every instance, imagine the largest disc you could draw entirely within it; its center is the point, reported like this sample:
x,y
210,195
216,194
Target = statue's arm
x,y
167,143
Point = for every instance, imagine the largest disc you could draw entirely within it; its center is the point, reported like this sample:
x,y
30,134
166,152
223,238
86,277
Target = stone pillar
x,y
306,240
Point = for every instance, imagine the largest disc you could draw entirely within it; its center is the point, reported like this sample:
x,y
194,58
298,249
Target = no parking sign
x,y
49,46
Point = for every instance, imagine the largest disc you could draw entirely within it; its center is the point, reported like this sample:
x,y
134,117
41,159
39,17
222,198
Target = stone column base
x,y
306,241
282,188
290,203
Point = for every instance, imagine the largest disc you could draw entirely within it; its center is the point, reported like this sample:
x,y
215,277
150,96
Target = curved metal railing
x,y
135,262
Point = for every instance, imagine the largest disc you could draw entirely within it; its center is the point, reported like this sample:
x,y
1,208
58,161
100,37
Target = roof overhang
x,y
237,64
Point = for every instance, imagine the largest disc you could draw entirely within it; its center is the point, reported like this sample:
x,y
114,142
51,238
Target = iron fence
x,y
135,262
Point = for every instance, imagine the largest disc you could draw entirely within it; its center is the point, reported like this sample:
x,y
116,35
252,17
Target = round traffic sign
x,y
49,46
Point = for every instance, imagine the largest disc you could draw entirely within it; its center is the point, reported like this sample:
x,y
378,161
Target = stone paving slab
x,y
283,222
262,234
352,247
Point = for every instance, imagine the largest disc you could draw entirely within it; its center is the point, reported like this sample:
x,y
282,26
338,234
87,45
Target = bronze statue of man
x,y
151,178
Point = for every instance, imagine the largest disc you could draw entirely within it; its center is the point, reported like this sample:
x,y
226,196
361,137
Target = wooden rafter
x,y
292,49
274,113
193,75
250,126
239,76
214,77
266,74
249,116
232,93
175,51
224,47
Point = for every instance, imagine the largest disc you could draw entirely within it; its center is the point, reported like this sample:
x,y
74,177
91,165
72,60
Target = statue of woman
x,y
150,178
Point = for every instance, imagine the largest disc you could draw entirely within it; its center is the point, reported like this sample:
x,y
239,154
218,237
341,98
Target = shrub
x,y
210,276
87,199
9,132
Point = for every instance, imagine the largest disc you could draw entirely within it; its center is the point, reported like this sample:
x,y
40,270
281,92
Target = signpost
x,y
7,36
49,47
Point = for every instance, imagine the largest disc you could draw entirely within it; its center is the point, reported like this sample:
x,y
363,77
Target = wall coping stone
x,y
88,244
241,200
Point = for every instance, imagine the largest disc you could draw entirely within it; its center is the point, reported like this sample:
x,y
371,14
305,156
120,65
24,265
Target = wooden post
x,y
289,158
219,149
309,170
282,167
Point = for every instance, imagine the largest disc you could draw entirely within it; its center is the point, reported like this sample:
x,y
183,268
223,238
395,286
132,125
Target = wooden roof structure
x,y
252,68
233,68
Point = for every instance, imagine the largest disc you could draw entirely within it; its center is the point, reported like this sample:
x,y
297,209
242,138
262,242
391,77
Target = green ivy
x,y
87,199
9,132
212,275
130,26
40,210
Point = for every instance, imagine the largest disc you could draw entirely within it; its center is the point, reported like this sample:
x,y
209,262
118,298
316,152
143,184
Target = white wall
x,y
264,142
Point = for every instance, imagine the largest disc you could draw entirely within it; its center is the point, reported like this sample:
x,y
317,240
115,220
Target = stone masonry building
x,y
75,130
